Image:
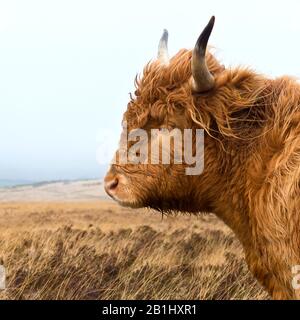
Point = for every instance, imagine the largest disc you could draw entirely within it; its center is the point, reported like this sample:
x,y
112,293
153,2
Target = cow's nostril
x,y
111,185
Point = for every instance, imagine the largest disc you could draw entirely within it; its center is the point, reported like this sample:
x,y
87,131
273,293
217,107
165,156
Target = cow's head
x,y
168,96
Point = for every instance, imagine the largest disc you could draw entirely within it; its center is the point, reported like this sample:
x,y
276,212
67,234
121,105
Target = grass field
x,y
98,250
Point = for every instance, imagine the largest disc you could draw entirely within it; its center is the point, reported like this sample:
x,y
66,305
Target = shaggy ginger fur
x,y
252,159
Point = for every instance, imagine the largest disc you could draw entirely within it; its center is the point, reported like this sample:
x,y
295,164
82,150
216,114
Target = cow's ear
x,y
203,80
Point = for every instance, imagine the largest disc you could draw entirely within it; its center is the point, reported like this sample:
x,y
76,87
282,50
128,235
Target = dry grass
x,y
101,251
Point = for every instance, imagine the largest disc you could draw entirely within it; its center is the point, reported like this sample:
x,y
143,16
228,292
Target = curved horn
x,y
202,78
162,54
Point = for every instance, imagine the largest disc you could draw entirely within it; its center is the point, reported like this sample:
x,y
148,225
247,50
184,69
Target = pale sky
x,y
67,66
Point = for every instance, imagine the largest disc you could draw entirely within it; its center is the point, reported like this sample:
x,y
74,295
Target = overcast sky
x,y
67,66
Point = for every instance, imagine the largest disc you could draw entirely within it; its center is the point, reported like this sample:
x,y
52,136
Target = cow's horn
x,y
202,78
163,55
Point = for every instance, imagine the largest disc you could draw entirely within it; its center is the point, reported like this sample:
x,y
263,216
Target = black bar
x,y
133,309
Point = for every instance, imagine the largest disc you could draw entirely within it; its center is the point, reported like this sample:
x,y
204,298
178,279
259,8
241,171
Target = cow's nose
x,y
110,185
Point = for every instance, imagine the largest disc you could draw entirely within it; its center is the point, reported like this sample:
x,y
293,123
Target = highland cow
x,y
251,169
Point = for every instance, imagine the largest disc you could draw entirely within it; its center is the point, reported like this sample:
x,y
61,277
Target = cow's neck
x,y
229,201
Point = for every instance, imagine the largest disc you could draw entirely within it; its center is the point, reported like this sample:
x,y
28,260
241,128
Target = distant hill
x,y
80,190
11,183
